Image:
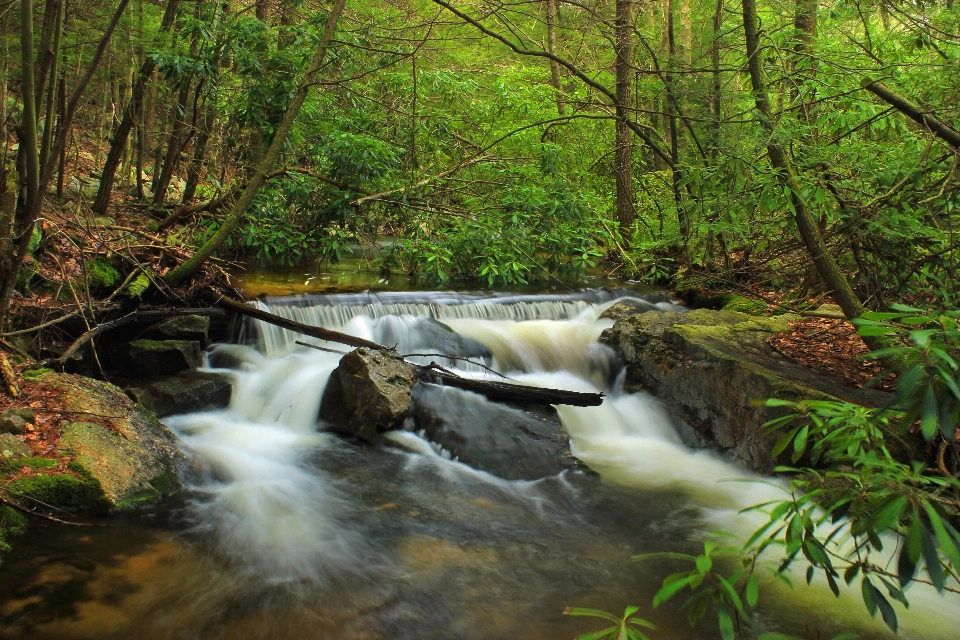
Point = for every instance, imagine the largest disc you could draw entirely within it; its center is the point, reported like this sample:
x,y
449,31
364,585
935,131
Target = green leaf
x,y
725,622
866,591
886,611
669,590
751,592
945,541
932,560
704,564
591,613
698,607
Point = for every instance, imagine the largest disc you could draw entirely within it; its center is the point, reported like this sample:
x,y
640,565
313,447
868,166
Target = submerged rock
x,y
185,392
119,454
627,307
368,392
716,369
163,357
510,443
426,335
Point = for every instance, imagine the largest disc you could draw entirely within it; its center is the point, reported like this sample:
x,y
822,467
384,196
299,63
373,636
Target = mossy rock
x,y
716,369
12,523
744,305
164,357
116,442
76,492
11,447
101,274
185,392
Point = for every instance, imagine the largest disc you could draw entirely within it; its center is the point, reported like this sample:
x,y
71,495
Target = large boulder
x,y
164,357
627,307
715,368
185,392
368,392
508,442
109,452
15,420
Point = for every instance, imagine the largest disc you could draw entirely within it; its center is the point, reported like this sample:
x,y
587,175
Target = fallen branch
x,y
298,327
505,392
915,113
42,516
9,378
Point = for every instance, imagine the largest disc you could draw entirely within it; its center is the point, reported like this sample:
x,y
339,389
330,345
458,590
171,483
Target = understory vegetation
x,y
793,152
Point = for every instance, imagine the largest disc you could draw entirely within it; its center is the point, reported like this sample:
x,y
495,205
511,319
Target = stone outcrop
x,y
117,453
186,327
511,443
185,392
15,420
368,392
164,357
715,369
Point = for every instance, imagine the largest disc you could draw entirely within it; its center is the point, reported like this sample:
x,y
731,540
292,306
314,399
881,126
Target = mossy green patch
x,y
33,374
12,523
101,274
140,284
164,484
744,305
80,492
37,463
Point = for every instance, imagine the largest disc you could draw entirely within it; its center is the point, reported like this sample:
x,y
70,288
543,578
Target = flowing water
x,y
288,531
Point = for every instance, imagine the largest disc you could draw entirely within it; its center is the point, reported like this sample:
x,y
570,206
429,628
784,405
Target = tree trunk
x,y
555,79
174,144
235,215
28,122
52,91
623,164
915,113
806,224
131,115
8,274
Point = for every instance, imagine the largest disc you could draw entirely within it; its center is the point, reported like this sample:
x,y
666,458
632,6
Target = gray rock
x,y
185,392
12,447
368,392
715,369
508,442
627,307
426,335
189,327
164,357
15,420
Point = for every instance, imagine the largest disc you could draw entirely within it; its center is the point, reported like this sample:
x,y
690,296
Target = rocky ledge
x,y
715,369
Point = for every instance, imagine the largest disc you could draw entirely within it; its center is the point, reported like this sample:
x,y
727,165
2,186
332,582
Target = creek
x,y
290,531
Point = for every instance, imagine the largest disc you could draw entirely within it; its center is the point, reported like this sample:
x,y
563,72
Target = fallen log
x,y
494,390
292,325
506,392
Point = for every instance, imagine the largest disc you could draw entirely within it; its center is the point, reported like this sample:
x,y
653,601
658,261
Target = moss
x,y
33,374
744,305
12,523
37,463
140,284
142,498
81,492
101,274
164,484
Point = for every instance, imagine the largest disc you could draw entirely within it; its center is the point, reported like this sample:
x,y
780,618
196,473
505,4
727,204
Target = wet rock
x,y
185,392
368,392
426,335
715,369
506,441
119,454
627,307
163,357
12,447
191,327
15,420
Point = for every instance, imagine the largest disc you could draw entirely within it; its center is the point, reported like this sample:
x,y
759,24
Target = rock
x,y
368,392
15,420
12,447
744,305
163,357
505,441
185,392
426,335
715,368
190,327
627,307
119,454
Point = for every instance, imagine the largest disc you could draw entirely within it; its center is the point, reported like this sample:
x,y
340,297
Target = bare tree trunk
x,y
239,208
555,79
28,122
9,273
130,116
174,142
623,164
806,224
52,91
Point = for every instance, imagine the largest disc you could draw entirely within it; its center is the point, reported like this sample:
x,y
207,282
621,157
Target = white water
x,y
265,504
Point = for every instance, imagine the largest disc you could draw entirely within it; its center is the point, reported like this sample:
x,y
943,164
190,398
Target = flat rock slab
x,y
505,441
184,392
187,327
716,369
368,392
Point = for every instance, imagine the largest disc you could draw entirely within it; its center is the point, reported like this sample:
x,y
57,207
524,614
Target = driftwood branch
x,y
505,392
299,327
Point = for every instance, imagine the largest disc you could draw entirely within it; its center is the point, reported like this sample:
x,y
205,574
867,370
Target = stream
x,y
290,531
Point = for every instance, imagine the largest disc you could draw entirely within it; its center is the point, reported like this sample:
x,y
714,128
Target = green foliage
x,y
626,627
12,523
78,490
138,286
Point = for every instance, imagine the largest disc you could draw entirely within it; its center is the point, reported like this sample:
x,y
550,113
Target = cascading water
x,y
296,533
